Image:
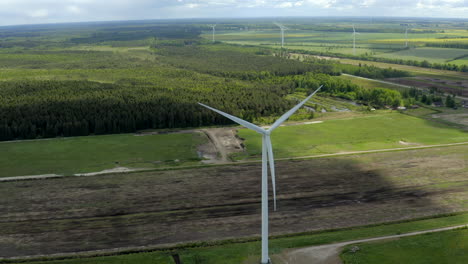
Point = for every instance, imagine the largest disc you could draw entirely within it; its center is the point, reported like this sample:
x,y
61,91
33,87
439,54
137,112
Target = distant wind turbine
x,y
354,39
267,153
282,28
214,30
406,36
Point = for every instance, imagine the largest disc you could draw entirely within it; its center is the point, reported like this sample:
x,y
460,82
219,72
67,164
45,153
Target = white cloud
x,y
39,13
284,5
74,9
52,11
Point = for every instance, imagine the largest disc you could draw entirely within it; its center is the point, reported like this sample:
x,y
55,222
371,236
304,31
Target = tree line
x,y
40,109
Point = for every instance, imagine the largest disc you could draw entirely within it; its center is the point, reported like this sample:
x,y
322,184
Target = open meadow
x,y
67,156
365,132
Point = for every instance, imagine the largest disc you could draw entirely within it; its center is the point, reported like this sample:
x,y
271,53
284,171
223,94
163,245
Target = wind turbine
x,y
213,32
354,39
406,36
282,28
267,153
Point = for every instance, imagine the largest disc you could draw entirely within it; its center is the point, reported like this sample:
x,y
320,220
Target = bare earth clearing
x,y
223,142
457,87
161,207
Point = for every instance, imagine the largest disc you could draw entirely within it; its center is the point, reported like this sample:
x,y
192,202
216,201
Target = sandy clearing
x,y
329,254
408,143
225,142
114,170
313,122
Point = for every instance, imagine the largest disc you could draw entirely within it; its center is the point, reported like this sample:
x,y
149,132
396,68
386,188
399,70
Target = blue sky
x,y
52,11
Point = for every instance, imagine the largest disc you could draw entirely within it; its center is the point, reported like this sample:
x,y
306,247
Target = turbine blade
x,y
280,26
290,112
271,163
237,120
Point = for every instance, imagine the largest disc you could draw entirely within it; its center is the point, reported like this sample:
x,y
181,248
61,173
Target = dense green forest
x,y
31,109
237,62
100,83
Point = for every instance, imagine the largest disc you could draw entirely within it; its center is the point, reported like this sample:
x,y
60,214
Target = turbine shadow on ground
x,y
153,208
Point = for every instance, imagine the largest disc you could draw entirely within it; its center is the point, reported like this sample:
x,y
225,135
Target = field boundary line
x,y
348,153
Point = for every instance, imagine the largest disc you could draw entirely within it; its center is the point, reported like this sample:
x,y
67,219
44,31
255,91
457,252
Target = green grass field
x,y
96,153
441,247
439,55
463,61
235,253
366,132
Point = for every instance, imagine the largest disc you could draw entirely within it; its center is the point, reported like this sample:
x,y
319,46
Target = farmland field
x,y
96,153
248,252
439,55
463,61
435,73
378,44
366,132
441,247
127,210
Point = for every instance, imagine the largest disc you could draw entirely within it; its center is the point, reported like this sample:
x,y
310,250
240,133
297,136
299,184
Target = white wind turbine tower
x,y
406,36
282,28
213,32
267,153
354,39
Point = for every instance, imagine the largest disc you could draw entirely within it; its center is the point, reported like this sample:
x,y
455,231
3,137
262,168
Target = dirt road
x,y
329,254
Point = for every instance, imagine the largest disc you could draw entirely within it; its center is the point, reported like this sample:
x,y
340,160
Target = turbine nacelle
x,y
281,26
